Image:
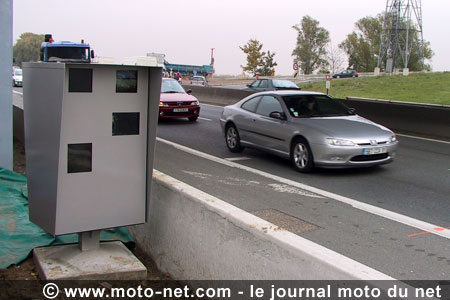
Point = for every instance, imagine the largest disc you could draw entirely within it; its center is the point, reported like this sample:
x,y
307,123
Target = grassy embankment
x,y
431,88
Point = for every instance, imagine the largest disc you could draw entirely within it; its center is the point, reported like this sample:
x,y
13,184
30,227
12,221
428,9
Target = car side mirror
x,y
277,115
189,91
92,54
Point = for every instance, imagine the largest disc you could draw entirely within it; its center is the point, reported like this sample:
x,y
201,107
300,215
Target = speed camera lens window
x,y
126,81
80,80
79,158
125,123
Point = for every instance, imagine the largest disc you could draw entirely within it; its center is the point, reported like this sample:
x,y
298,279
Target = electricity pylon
x,y
402,27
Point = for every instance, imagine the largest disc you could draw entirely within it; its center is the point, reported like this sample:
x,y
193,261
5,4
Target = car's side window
x,y
267,105
251,104
263,83
255,83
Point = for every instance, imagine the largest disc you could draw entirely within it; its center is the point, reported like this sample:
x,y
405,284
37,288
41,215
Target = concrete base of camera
x,y
110,261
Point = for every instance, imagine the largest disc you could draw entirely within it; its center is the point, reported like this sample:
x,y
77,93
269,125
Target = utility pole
x,y
212,61
402,27
6,108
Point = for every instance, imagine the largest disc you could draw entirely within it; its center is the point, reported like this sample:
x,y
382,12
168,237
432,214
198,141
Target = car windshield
x,y
307,106
284,84
18,72
171,86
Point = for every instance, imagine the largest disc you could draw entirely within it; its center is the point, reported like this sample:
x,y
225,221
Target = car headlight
x,y
195,103
393,139
163,104
339,142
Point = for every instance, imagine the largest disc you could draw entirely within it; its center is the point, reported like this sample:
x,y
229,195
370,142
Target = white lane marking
x,y
211,105
409,221
284,188
16,92
237,158
204,119
425,139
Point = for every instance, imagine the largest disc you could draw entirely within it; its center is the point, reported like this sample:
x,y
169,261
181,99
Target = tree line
x,y
315,53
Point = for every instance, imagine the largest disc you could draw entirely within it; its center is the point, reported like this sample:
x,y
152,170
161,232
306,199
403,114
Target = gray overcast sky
x,y
187,30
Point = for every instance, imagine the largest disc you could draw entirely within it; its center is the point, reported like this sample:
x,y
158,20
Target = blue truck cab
x,y
65,51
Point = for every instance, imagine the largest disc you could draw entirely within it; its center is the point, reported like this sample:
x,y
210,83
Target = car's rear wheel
x,y
193,119
301,156
232,139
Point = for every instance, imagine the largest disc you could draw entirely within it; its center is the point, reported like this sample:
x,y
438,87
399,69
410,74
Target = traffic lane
x,y
372,240
396,187
412,186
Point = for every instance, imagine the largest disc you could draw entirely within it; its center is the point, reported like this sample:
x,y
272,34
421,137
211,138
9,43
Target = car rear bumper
x,y
169,113
334,156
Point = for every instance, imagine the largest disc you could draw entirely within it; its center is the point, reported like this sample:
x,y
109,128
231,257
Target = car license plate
x,y
180,110
369,151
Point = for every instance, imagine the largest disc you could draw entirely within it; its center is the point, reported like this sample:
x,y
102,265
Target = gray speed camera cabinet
x,y
90,134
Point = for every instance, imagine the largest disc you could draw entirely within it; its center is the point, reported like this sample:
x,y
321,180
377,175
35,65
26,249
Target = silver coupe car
x,y
311,129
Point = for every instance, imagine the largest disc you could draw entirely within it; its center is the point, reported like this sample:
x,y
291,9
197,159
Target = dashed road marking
x,y
237,158
204,119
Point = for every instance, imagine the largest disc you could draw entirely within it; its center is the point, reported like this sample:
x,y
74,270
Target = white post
x,y
377,71
6,130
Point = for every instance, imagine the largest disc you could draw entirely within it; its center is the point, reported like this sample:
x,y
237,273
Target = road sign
x,y
295,66
296,74
328,77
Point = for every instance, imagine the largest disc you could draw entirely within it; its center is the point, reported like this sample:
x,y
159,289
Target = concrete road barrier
x,y
18,124
403,117
217,95
192,235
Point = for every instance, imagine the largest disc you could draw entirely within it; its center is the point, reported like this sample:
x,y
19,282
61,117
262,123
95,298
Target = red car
x,y
175,102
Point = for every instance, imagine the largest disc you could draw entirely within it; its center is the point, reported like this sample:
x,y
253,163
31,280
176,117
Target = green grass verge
x,y
433,88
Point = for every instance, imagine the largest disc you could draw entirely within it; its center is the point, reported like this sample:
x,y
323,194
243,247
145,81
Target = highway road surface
x,y
394,218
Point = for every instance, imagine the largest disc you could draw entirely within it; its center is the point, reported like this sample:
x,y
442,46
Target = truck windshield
x,y
67,53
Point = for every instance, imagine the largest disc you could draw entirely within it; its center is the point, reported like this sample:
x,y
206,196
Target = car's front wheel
x,y
301,156
232,139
